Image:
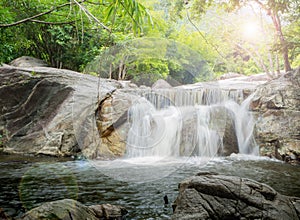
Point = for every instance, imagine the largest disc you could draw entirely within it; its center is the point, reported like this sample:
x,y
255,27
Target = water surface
x,y
138,185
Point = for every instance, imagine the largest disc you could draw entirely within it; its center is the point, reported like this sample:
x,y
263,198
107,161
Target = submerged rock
x,y
68,209
212,196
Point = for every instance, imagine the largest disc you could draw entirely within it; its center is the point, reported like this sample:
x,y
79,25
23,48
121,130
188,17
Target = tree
x,y
275,9
66,34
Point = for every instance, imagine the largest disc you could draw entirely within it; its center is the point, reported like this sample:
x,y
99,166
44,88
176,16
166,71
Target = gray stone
x,y
276,106
52,111
68,209
161,84
230,76
26,61
212,196
108,211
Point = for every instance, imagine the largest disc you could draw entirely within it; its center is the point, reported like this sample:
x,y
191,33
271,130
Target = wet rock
x,y
211,196
108,211
227,131
276,106
68,209
221,121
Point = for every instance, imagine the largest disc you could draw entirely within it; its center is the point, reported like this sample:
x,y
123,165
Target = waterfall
x,y
244,124
181,122
153,132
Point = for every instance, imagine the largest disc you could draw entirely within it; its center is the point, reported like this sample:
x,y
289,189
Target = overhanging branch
x,y
52,23
90,15
36,16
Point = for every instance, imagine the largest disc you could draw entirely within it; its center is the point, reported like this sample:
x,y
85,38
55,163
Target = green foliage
x,y
68,37
296,61
137,13
147,71
197,36
149,59
292,33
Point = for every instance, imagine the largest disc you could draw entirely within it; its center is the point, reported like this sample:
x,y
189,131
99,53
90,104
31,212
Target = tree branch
x,y
52,23
202,35
35,16
90,15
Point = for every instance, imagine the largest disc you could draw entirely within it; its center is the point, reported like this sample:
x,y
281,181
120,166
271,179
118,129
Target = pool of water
x,y
139,185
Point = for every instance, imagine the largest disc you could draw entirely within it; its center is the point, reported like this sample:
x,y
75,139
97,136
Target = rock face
x,y
212,196
50,111
68,209
276,106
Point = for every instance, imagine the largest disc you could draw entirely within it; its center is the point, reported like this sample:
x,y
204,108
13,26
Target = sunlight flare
x,y
251,31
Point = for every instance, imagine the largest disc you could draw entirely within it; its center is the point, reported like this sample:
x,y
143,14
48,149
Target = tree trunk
x,y
110,71
277,65
272,65
121,66
277,24
285,51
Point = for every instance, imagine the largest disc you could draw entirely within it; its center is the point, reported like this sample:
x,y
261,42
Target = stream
x,y
27,182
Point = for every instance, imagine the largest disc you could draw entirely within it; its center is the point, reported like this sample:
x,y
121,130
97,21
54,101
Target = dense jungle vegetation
x,y
242,36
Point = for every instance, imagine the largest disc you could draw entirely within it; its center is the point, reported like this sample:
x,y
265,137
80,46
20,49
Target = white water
x,y
244,126
172,123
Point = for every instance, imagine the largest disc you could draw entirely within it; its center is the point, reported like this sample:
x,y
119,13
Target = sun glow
x,y
251,31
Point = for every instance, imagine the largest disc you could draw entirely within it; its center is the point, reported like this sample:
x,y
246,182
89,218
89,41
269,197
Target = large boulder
x,y
161,84
52,111
68,209
26,61
212,196
276,106
112,118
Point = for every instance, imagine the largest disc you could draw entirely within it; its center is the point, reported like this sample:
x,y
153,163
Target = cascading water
x,y
148,135
179,122
244,124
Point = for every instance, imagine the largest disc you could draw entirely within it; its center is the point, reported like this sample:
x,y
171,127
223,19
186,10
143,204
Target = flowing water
x,y
28,182
178,122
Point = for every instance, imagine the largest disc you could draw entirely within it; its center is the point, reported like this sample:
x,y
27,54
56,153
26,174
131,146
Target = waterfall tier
x,y
179,122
